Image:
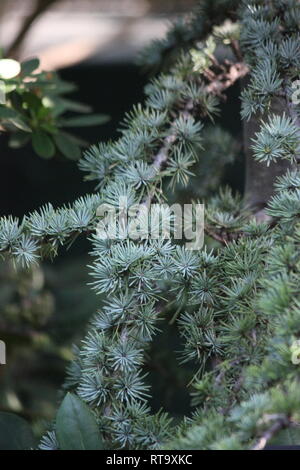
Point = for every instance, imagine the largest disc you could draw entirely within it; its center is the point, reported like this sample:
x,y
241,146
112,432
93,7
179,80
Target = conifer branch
x,y
281,422
227,79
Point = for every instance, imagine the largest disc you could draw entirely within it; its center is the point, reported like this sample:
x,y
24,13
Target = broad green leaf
x,y
15,433
70,105
29,66
19,123
67,147
40,83
16,101
43,145
7,113
32,101
18,139
82,121
77,140
76,426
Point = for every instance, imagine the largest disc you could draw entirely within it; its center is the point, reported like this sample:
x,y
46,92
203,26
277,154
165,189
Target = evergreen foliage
x,y
237,301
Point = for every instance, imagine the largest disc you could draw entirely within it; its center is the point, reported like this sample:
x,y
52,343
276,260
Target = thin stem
x,y
281,423
41,7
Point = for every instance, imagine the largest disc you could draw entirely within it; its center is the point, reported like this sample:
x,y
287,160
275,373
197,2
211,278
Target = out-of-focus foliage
x,y
43,311
33,108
